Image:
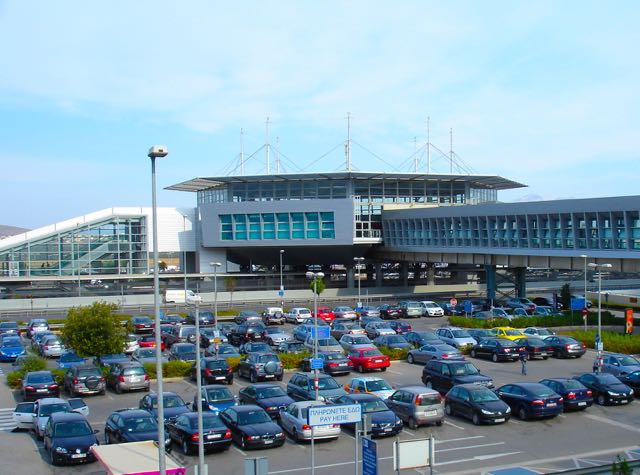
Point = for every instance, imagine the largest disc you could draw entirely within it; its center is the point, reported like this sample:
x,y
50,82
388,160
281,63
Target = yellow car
x,y
509,333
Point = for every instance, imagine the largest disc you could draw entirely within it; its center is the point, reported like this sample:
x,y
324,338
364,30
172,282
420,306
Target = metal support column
x,y
490,271
521,283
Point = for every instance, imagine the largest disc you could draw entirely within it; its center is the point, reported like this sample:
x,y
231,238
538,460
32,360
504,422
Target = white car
x,y
298,315
294,420
432,309
34,415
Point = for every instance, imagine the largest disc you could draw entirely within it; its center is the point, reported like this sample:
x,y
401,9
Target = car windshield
x,y
216,364
296,346
140,424
629,361
8,325
463,369
146,353
258,347
544,331
253,417
513,332
273,331
70,358
359,340
333,356
249,314
48,409
11,342
218,394
377,385
371,352
373,406
226,350
327,341
185,349
572,385
83,373
170,401
428,399
395,339
270,391
39,378
483,395
606,378
209,421
327,383
460,333
505,343
268,358
427,335
535,342
72,429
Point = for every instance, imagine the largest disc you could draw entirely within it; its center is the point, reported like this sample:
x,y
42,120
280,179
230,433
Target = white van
x,y
182,296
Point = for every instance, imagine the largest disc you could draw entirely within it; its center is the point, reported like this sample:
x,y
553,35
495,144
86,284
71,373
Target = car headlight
x,y
508,410
484,411
280,434
611,393
322,398
253,437
167,441
61,450
272,408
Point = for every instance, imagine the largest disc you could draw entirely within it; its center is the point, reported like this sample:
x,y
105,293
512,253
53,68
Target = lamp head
x,y
158,151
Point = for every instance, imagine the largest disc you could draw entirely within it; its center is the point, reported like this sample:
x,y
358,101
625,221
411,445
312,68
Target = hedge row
x,y
615,342
32,363
522,322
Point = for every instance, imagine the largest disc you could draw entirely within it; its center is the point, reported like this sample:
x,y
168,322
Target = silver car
x,y
457,337
298,315
376,329
434,352
131,344
345,312
327,345
146,355
348,341
417,405
294,420
51,347
275,336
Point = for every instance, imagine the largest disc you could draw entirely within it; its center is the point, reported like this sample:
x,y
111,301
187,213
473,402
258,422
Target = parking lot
x,y
569,441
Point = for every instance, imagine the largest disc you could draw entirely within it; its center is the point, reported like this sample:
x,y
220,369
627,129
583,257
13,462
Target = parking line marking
x,y
394,372
453,425
444,441
409,432
606,420
238,450
470,447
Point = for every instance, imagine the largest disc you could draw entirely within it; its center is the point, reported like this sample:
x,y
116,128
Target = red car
x,y
149,341
368,358
325,313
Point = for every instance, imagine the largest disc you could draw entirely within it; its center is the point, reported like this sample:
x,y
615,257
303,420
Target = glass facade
x,y
260,226
116,246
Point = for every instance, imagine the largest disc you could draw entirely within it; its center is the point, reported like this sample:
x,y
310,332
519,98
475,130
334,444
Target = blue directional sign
x,y
369,457
324,331
468,306
578,303
316,363
281,293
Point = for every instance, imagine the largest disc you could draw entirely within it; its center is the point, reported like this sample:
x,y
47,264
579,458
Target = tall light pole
x,y
281,284
358,261
586,307
157,151
315,276
201,469
184,255
215,266
599,344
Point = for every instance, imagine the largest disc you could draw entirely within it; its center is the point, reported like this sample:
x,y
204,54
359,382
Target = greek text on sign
x,y
341,414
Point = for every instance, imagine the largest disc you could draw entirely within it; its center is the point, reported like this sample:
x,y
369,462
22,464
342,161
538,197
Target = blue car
x,y
174,405
384,422
10,348
531,400
216,398
70,359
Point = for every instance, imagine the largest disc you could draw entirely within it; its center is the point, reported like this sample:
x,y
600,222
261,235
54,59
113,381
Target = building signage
x,y
341,414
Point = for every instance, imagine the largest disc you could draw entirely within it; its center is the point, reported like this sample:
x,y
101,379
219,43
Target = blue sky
x,y
544,93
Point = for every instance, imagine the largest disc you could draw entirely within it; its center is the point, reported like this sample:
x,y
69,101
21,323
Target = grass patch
x,y
394,353
565,320
615,342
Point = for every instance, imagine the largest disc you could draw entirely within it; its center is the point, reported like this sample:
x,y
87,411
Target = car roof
x,y
418,390
263,385
44,371
131,413
165,393
66,416
51,400
369,378
363,397
246,408
473,386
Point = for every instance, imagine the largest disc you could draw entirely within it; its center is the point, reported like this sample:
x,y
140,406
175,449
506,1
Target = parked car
x,y
213,370
431,309
84,379
206,317
172,334
477,403
246,316
215,397
259,366
142,324
400,327
132,425
43,408
349,341
172,319
226,327
273,316
326,314
479,333
149,341
531,400
368,311
184,432
147,355
497,349
575,395
368,358
509,333
392,342
417,406
11,348
433,352
254,347
182,352
364,321
538,331
69,359
223,350
9,328
324,344
456,337
544,311
443,375
270,397
68,438
291,347
128,377
339,329
37,325
519,312
606,388
108,360
420,338
301,388
301,332
294,420
547,302
252,428
334,362
565,346
384,422
174,405
247,332
389,311
38,337
536,347
369,385
520,302
209,336
131,344
297,314
411,309
619,364
345,312
451,310
375,329
39,384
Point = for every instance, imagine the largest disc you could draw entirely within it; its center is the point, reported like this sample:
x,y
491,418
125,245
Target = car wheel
x,y
413,425
494,357
108,438
439,423
522,413
230,381
601,400
294,435
185,447
410,359
360,368
383,369
475,419
473,353
118,389
448,409
428,384
252,377
54,461
545,358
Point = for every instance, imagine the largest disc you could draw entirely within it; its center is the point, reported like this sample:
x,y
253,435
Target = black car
x,y
213,370
536,347
39,384
226,327
269,397
252,428
606,388
497,349
9,328
574,394
204,316
184,432
388,312
131,425
292,347
246,332
174,405
478,403
400,327
247,316
632,380
182,352
301,388
68,438
142,324
384,422
565,346
531,400
421,338
443,375
258,366
333,362
171,319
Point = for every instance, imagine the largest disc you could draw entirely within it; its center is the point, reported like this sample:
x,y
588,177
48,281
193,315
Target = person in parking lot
x,y
524,356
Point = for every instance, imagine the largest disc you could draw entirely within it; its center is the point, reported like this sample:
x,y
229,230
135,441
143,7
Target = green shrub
x,y
170,369
564,320
234,362
228,313
58,375
394,353
14,379
33,363
293,360
615,342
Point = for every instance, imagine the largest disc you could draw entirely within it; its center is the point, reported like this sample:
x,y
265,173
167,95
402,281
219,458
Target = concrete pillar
x,y
350,277
378,270
490,271
520,281
404,274
431,274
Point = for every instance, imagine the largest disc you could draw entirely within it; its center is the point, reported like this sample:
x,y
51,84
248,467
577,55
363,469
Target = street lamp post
x,y
157,151
358,261
281,283
586,307
599,344
184,255
315,276
215,266
201,467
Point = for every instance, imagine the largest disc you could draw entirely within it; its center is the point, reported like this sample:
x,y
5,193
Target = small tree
x,y
565,296
317,285
162,265
230,284
93,330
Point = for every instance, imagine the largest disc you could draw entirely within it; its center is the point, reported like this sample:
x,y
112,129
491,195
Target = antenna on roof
x,y
241,152
277,154
267,146
347,147
428,144
451,151
415,154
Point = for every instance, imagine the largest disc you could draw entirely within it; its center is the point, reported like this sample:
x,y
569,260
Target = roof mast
x,y
241,151
267,147
347,147
428,144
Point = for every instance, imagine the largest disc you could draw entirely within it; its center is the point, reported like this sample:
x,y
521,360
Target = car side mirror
x,y
96,431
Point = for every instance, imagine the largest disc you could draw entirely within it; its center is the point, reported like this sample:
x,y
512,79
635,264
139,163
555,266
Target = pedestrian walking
x,y
524,356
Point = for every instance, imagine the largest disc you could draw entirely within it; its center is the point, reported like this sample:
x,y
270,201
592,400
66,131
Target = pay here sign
x,y
341,414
